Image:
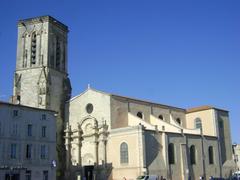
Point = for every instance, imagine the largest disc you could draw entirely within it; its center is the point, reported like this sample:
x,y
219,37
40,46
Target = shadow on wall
x,y
221,137
154,158
104,172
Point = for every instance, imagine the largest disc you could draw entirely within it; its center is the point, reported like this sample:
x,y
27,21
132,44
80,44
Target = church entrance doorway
x,y
88,172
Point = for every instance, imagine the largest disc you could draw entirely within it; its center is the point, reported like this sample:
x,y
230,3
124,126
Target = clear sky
x,y
180,53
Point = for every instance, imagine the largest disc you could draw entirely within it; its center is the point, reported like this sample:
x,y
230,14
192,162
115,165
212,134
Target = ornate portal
x,y
86,147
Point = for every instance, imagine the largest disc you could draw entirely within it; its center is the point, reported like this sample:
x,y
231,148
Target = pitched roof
x,y
190,110
128,98
203,108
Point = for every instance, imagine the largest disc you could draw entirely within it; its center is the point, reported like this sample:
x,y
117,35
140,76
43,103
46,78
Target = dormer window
x,y
140,115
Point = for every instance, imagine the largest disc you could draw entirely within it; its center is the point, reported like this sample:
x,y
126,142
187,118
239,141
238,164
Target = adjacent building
x,y
236,156
27,143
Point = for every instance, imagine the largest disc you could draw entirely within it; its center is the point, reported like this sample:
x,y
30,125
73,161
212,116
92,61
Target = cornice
x,y
42,19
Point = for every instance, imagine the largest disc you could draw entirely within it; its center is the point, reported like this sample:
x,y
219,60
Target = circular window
x,y
89,108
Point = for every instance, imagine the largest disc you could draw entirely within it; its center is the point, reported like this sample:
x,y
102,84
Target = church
x,y
114,137
104,136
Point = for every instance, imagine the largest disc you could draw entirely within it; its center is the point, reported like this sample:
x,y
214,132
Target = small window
x,y
160,117
44,131
210,155
179,121
13,151
171,153
198,123
192,155
14,130
15,113
29,151
29,130
44,117
43,152
124,153
19,98
140,115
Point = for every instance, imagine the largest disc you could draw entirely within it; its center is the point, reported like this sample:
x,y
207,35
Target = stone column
x,y
104,141
68,145
79,145
96,142
96,152
105,152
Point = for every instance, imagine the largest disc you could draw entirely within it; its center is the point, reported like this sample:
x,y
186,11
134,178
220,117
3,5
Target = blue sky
x,y
180,53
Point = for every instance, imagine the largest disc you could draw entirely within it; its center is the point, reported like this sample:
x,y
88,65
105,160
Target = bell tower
x,y
41,77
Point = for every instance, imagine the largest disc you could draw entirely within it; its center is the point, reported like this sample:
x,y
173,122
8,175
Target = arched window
x,y
198,123
192,155
124,153
210,155
171,155
140,115
33,48
178,121
160,117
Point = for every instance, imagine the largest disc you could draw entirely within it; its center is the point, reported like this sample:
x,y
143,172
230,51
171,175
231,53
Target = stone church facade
x,y
107,136
114,137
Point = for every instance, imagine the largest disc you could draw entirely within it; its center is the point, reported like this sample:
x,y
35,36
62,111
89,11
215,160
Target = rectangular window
x,y
13,151
29,130
29,151
45,175
44,131
15,113
14,129
28,175
44,117
43,152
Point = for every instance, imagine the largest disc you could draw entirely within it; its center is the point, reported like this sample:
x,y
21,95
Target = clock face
x,y
89,108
